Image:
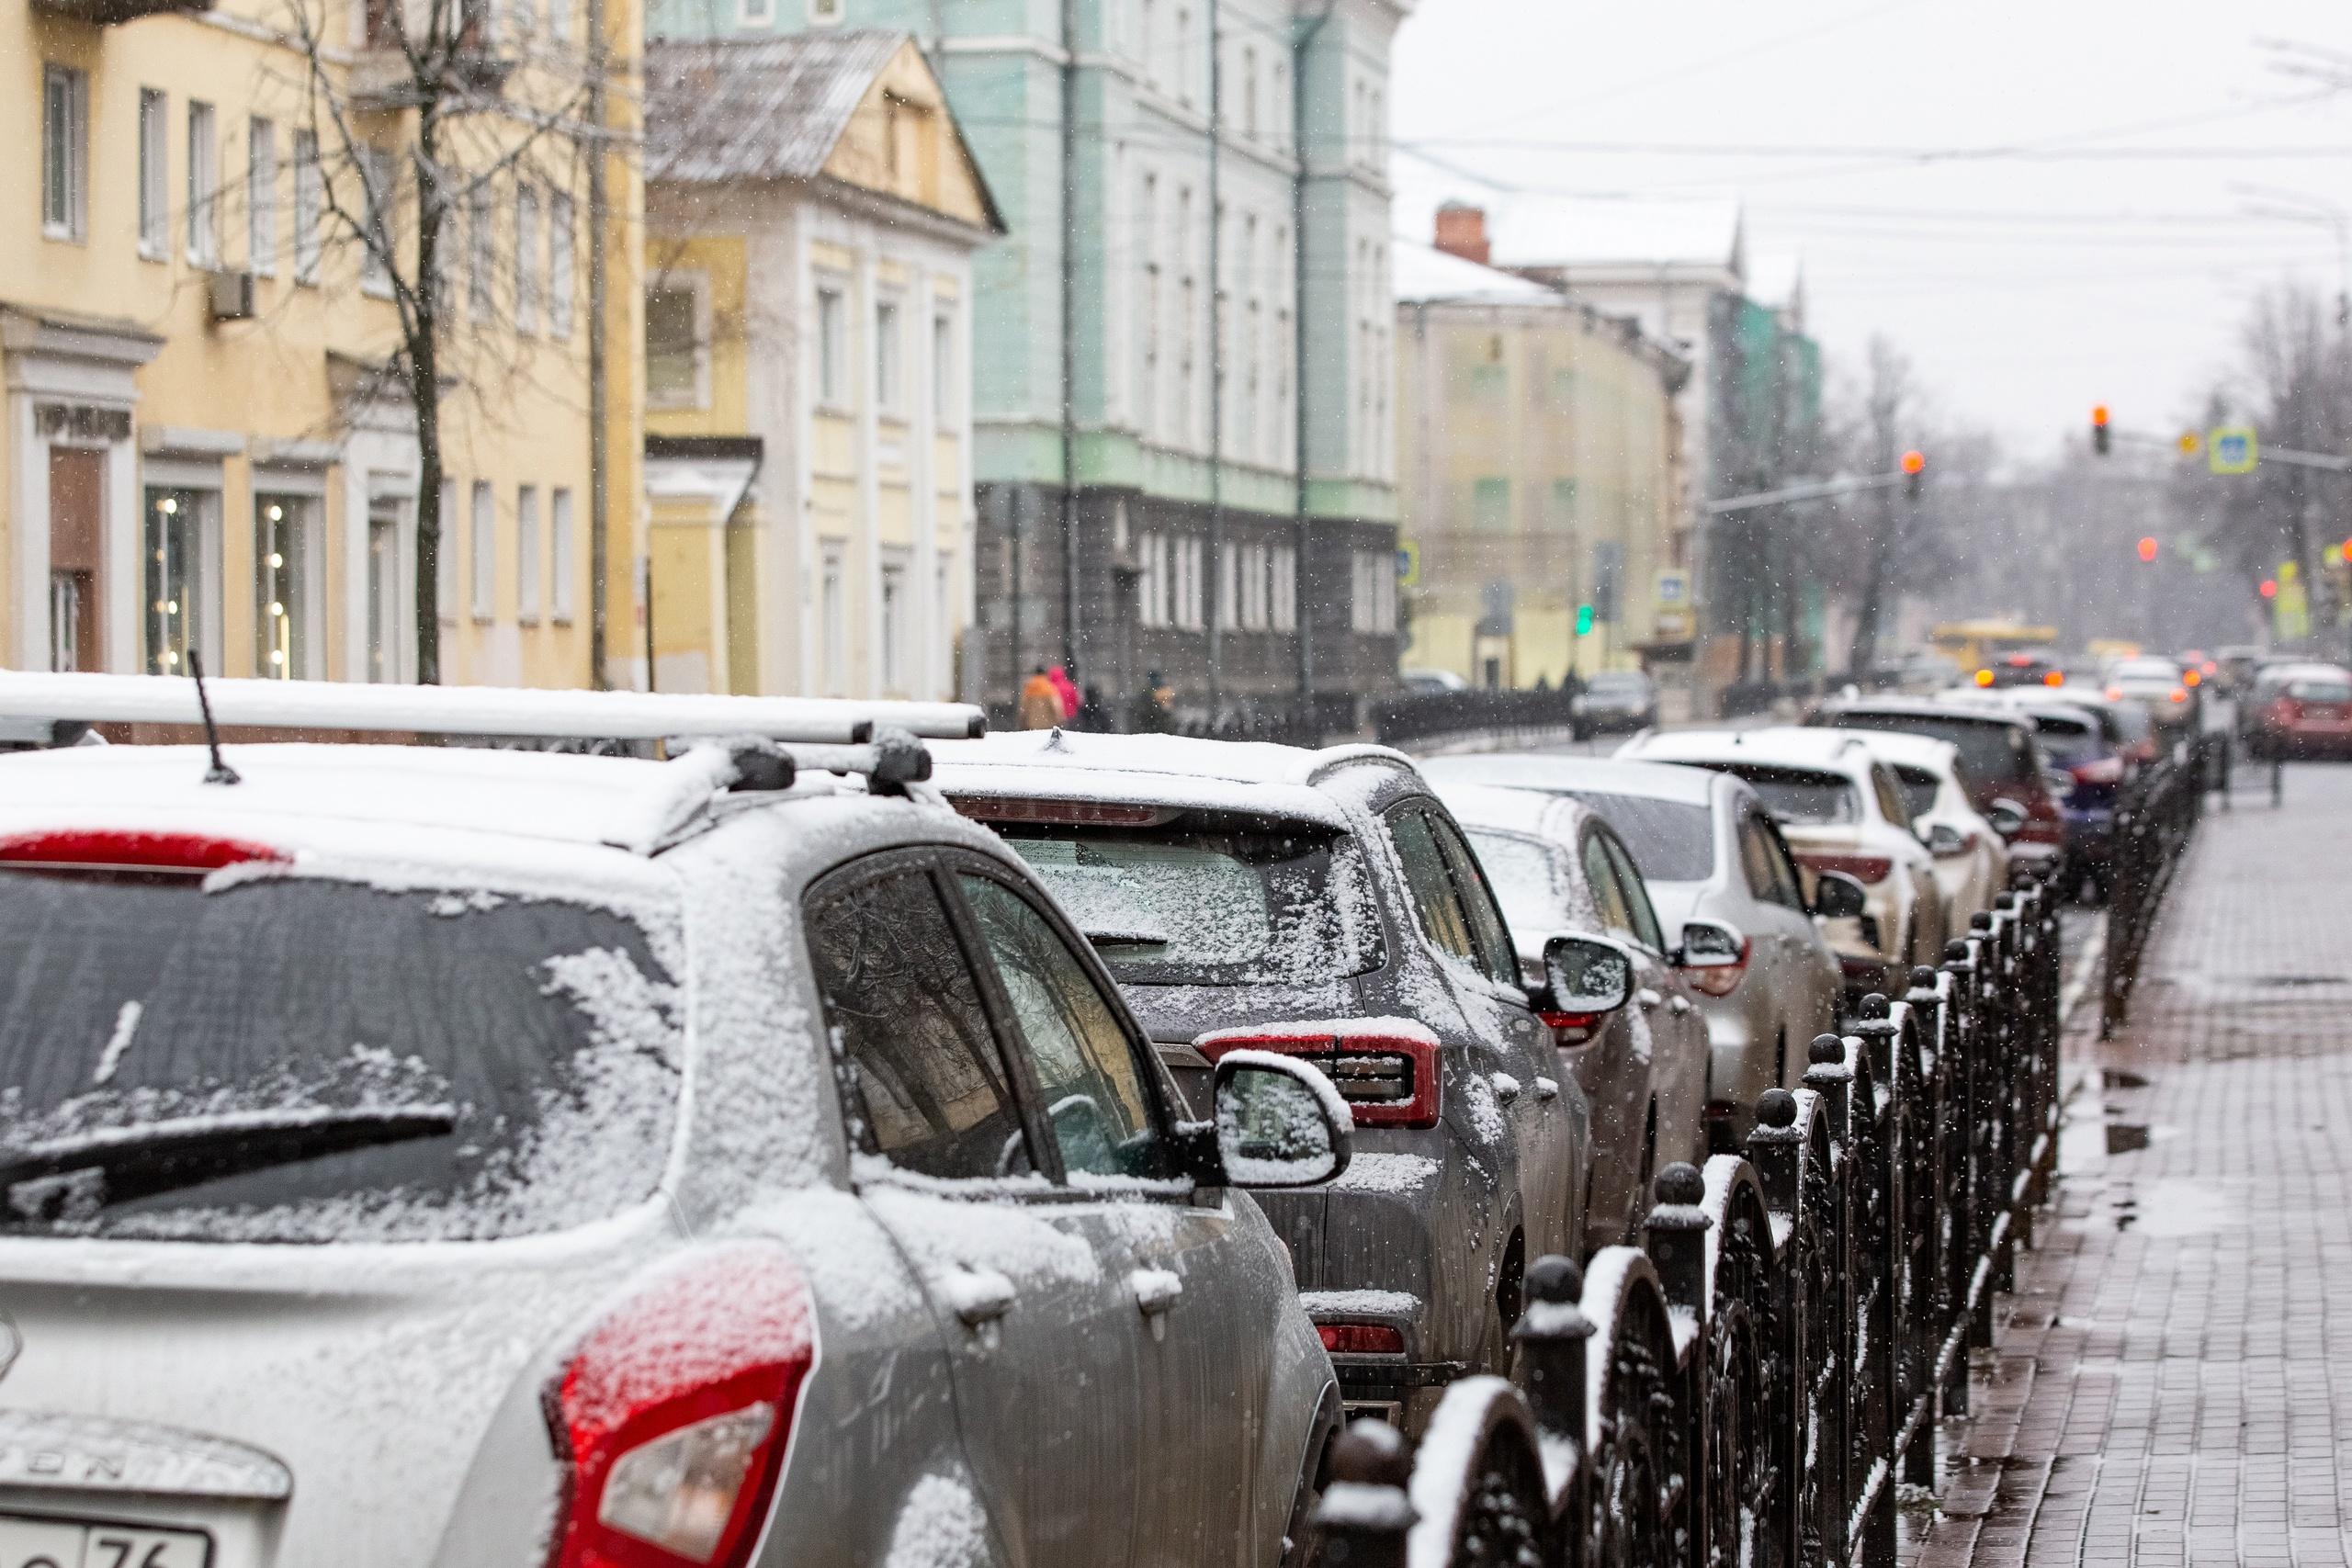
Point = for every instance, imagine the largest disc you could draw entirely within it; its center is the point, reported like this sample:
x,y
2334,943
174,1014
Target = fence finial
x,y
1365,1515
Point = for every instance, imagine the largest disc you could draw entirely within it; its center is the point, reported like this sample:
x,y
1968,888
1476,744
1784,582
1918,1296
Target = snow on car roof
x,y
1159,770
1533,812
1958,707
1911,751
1833,751
1603,775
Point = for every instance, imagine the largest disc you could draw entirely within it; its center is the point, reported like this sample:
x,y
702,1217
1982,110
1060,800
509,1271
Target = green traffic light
x,y
1584,620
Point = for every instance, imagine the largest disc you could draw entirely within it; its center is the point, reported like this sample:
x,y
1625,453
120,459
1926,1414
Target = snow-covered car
x,y
1840,809
1557,868
1710,854
2007,776
453,1155
1971,861
1324,904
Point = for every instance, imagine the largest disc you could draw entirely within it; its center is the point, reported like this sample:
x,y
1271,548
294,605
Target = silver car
x,y
1324,904
457,1156
1558,868
1709,851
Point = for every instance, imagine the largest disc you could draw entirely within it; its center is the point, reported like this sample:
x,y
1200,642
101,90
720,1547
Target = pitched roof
x,y
765,109
1605,233
1427,274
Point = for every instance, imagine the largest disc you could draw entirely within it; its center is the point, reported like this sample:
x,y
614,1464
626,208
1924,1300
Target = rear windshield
x,y
1801,796
1211,901
1990,752
1621,681
1529,884
1919,789
301,1060
2067,738
1671,841
2319,690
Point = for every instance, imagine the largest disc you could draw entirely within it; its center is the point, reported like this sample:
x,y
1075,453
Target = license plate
x,y
71,1543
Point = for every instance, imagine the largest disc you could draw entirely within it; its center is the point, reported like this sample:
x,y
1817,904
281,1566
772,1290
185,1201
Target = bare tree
x,y
413,134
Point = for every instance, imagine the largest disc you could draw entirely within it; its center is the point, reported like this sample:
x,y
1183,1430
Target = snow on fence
x,y
1752,1385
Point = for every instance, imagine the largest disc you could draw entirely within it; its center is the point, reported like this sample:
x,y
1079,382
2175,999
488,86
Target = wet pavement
x,y
2172,1382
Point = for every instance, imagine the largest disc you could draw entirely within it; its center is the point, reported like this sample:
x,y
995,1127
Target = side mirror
x,y
1710,944
2007,817
1944,841
1280,1122
1586,975
1837,896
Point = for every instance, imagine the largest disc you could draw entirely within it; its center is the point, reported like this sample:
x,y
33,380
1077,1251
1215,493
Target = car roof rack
x,y
56,708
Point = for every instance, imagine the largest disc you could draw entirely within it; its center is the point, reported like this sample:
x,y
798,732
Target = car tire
x,y
1302,1540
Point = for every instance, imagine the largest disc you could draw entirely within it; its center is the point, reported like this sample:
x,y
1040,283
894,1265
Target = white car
x,y
1841,809
1972,859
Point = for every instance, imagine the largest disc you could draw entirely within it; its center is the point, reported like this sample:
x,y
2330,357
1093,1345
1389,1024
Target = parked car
x,y
454,1156
1428,683
1972,859
1709,853
1559,869
2100,745
1619,700
1840,809
2000,760
2302,711
1324,904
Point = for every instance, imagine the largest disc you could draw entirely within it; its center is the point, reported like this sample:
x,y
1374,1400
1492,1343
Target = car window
x,y
1918,787
1890,803
1089,1078
1672,841
922,1080
1488,931
1802,796
1431,884
1790,885
1755,859
1636,896
1602,877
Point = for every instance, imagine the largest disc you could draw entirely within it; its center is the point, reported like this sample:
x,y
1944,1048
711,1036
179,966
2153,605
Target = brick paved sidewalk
x,y
2173,1382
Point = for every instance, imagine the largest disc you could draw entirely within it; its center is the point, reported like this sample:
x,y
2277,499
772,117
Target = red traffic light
x,y
2148,547
1915,462
2347,549
2270,588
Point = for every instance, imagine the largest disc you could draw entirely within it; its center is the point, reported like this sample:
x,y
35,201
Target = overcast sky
x,y
2108,255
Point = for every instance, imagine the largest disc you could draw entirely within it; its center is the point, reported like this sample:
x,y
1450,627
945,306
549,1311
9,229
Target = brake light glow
x,y
1389,1079
1361,1338
675,1411
1864,869
2102,771
134,849
1571,1028
2179,695
1984,677
1719,979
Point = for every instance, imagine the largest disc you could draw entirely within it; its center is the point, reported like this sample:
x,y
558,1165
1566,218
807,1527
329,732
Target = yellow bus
x,y
1974,644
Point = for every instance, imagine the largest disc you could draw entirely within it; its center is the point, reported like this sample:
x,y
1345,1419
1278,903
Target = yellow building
x,y
1538,473
811,215
209,446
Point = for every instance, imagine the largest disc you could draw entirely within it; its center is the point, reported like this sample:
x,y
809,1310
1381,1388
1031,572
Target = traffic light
x,y
1584,620
2270,588
2347,549
2148,547
1915,464
2100,439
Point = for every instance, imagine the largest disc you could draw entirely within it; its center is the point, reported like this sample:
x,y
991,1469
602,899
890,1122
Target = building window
x,y
528,276
832,623
64,152
1249,91
754,13
527,554
310,198
833,348
481,254
155,180
261,198
484,529
444,553
385,600
943,402
1149,306
560,553
282,584
1372,606
562,243
1148,40
888,357
1490,505
1282,588
894,630
1227,568
1563,505
203,186
1184,55
376,174
173,542
824,10
673,343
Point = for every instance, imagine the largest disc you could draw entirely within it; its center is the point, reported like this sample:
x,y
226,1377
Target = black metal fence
x,y
1420,719
1753,1385
2153,819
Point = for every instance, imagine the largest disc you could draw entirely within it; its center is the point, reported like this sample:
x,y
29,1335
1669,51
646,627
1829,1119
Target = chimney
x,y
1462,232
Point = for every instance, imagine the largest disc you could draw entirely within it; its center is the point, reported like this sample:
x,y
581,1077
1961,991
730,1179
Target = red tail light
x,y
132,849
675,1412
2106,769
1864,869
1361,1338
1389,1079
1719,979
1571,1028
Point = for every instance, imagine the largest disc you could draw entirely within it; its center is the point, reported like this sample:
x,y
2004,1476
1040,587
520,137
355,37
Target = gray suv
x,y
443,1155
1324,904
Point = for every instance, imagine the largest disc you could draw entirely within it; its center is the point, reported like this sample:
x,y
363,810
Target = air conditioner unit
x,y
232,295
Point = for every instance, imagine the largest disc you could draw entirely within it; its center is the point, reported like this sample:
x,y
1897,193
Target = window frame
x,y
154,175
696,286
1474,891
261,195
1633,891
203,181
69,199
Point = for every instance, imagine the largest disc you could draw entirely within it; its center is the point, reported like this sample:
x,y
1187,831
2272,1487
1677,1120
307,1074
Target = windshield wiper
x,y
1126,936
119,1164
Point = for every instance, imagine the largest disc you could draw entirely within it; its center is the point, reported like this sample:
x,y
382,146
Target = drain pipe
x,y
1302,535
1070,341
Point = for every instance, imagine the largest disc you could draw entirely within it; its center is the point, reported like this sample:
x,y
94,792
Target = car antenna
x,y
220,773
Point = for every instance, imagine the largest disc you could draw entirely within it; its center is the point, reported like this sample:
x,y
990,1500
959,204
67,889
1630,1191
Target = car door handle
x,y
1679,1006
1649,998
1157,1291
979,1295
1506,1087
1548,1089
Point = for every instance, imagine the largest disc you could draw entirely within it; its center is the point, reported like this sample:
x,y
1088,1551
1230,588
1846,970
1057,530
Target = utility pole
x,y
1217,564
1301,533
1070,350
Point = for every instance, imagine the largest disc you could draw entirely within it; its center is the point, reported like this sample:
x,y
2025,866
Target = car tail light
x,y
1361,1338
675,1411
2179,695
1571,1028
1864,869
1719,979
1387,1080
2102,771
131,849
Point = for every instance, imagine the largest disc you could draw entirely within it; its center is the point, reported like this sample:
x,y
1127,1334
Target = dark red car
x,y
2304,710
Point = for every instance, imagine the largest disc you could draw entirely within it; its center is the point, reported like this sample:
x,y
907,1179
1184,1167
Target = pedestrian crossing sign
x,y
2232,450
